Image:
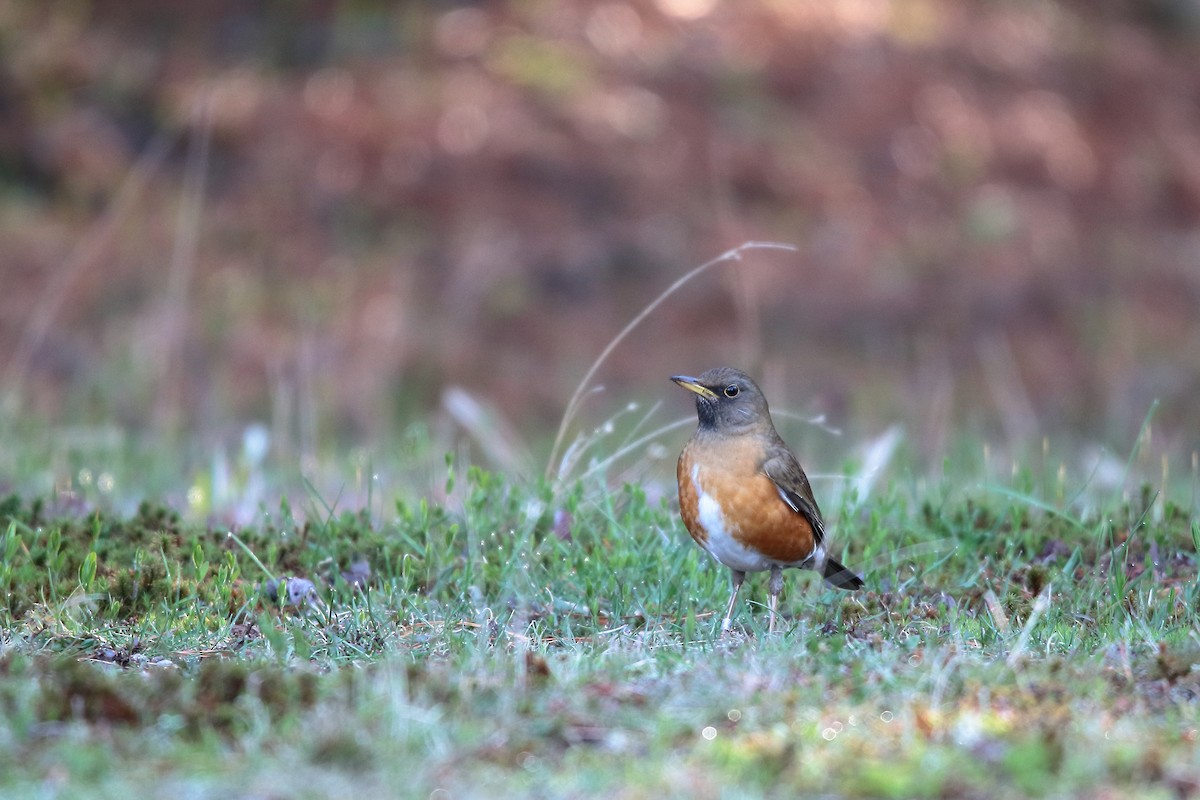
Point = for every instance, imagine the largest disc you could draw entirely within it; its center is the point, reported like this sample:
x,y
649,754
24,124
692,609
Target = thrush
x,y
743,495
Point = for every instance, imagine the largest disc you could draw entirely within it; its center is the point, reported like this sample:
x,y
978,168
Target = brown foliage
x,y
995,206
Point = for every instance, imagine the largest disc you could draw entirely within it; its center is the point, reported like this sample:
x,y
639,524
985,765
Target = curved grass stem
x,y
573,404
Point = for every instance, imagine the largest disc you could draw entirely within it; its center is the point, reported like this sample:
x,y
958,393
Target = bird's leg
x,y
738,577
774,587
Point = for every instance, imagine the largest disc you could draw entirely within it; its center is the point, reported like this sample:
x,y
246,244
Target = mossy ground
x,y
546,643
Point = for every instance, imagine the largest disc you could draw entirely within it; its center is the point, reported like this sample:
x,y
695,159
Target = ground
x,y
536,640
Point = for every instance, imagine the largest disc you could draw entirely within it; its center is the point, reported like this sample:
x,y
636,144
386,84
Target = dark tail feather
x,y
839,577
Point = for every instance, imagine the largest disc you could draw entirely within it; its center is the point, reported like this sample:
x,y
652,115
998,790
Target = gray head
x,y
727,400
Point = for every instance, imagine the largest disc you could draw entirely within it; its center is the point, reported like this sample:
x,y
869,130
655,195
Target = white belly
x,y
720,543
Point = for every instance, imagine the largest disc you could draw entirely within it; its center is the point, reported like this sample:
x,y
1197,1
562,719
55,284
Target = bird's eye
x,y
731,390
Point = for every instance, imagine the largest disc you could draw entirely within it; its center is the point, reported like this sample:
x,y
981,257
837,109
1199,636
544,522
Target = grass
x,y
1018,636
561,641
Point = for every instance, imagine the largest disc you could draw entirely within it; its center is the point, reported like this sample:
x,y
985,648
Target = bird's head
x,y
726,399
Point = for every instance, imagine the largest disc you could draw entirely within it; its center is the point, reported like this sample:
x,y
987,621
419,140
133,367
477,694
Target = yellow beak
x,y
692,386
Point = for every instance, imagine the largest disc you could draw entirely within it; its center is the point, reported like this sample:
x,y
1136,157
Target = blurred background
x,y
268,231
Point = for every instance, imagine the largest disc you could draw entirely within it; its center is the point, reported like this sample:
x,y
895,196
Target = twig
x,y
573,405
86,253
182,266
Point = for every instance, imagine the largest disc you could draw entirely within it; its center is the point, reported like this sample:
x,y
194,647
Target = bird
x,y
743,495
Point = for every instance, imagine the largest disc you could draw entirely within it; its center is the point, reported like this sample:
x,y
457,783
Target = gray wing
x,y
785,472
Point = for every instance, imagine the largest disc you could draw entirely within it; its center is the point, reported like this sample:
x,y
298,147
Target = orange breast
x,y
755,516
689,497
